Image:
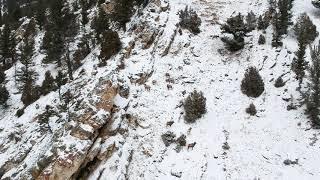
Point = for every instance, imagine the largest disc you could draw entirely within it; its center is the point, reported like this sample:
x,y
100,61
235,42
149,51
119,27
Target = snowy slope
x,y
258,144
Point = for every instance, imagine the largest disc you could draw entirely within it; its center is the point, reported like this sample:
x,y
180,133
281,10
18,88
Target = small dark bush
x,y
190,20
20,112
181,141
168,138
316,3
226,146
262,39
279,82
252,85
251,110
44,117
194,106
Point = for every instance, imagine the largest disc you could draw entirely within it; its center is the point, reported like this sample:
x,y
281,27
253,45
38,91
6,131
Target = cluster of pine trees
x,y
279,15
61,23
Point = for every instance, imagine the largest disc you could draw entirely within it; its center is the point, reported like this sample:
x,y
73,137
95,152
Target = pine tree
x,y
53,44
313,94
40,13
194,106
252,84
235,26
261,40
60,81
1,20
14,10
4,95
251,21
263,22
82,52
7,47
272,7
190,20
110,46
84,11
2,75
100,23
123,10
276,36
69,64
26,75
285,15
48,84
306,32
60,28
299,64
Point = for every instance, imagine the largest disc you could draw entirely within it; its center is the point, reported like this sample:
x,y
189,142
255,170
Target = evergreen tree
x,y
1,21
60,28
235,26
190,20
261,40
26,75
48,84
251,21
14,10
263,22
123,10
284,15
82,52
84,11
2,75
110,46
100,23
313,94
40,13
69,64
7,47
194,106
4,95
306,32
299,64
53,44
60,81
276,36
272,7
252,85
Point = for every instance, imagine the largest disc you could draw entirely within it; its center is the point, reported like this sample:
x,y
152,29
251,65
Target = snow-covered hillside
x,y
114,136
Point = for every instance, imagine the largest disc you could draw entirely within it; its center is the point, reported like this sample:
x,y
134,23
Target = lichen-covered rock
x,y
83,132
